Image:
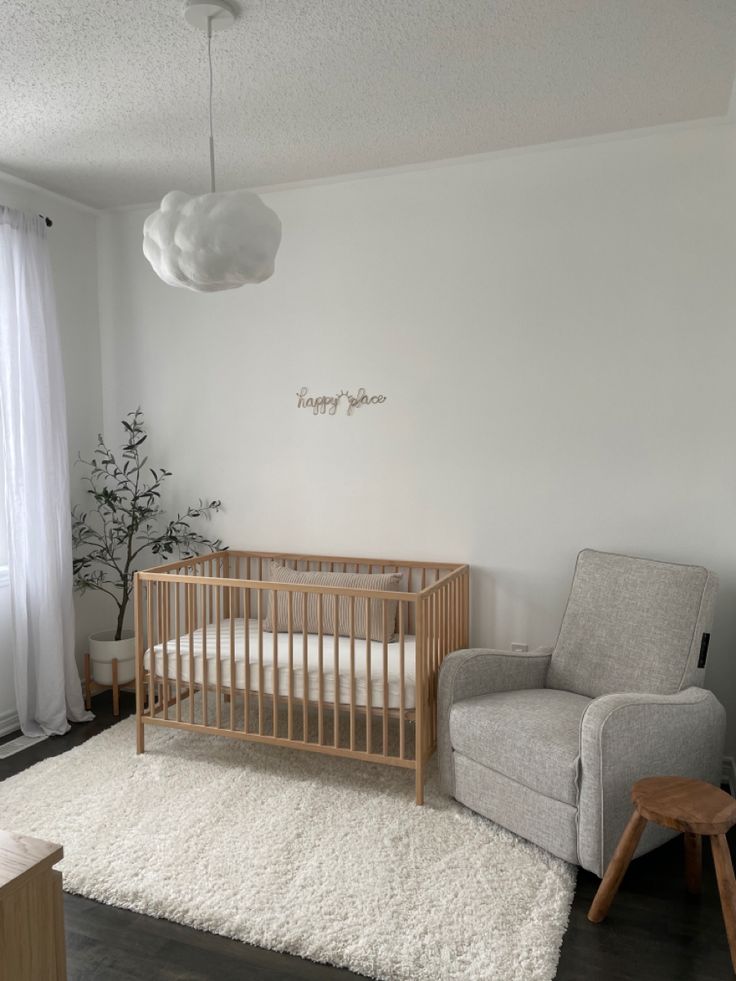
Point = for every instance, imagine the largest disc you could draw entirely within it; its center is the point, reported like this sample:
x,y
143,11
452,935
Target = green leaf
x,y
111,539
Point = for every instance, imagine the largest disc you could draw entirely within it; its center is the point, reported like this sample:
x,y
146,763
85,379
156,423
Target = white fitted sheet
x,y
282,652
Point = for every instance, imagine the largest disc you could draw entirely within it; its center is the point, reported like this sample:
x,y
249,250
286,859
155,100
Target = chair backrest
x,y
633,625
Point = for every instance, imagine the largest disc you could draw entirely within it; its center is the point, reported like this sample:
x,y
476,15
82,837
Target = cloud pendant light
x,y
215,241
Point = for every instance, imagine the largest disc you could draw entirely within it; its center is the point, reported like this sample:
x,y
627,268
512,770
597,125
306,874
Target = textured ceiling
x,y
106,102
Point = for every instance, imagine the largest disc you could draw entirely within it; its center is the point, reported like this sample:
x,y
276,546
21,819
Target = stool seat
x,y
685,805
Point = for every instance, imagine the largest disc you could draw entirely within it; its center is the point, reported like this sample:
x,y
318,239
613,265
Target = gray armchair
x,y
548,743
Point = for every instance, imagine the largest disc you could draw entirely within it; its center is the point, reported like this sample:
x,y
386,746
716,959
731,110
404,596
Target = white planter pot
x,y
103,648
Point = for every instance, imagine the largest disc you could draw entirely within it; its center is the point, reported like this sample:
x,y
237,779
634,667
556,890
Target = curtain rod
x,y
49,222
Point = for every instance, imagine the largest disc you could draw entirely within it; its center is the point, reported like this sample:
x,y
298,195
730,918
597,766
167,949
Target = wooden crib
x,y
266,669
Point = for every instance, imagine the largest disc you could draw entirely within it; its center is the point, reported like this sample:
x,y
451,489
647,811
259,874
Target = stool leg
x,y
693,862
616,868
727,889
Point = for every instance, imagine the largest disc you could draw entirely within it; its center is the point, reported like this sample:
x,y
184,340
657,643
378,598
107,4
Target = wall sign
x,y
322,405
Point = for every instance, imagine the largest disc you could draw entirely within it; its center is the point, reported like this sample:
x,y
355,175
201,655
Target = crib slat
x,y
234,595
275,671
205,685
440,601
260,658
305,671
466,610
165,642
443,596
177,631
191,598
451,620
152,649
225,564
218,662
336,669
352,672
140,648
321,695
439,626
290,623
457,642
448,621
246,655
369,680
438,654
419,700
159,625
402,703
384,737
429,663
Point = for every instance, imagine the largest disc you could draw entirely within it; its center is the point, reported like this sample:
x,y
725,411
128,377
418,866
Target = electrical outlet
x,y
520,648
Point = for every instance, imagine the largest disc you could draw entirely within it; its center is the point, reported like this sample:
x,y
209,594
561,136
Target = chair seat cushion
x,y
531,736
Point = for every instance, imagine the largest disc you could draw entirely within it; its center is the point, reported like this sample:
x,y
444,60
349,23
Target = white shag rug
x,y
324,858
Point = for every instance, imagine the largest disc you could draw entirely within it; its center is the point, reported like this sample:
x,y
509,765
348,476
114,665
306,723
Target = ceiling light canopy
x,y
215,241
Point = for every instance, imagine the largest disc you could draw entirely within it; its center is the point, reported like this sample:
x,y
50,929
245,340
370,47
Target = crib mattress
x,y
271,673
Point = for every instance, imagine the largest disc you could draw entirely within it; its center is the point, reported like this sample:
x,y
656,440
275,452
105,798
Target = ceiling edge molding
x,y
54,195
710,122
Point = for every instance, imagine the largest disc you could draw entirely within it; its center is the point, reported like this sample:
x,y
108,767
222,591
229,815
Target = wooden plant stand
x,y
695,808
31,910
91,687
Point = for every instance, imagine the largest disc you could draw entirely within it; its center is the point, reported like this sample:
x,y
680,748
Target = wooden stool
x,y
694,807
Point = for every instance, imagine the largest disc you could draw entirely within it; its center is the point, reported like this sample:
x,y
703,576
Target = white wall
x,y
73,248
554,332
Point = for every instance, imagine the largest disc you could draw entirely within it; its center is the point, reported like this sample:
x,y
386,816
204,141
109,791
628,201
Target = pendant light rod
x,y
212,138
210,16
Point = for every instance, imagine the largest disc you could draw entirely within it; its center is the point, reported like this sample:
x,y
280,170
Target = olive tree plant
x,y
126,520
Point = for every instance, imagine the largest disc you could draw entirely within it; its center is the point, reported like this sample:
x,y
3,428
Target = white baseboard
x,y
729,773
9,722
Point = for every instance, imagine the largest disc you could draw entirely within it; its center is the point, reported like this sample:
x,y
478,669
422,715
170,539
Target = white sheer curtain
x,y
35,465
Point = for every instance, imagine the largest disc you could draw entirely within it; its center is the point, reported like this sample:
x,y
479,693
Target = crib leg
x,y
140,688
420,781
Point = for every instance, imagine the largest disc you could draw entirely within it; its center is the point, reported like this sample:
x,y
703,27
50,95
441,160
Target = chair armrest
x,y
626,737
479,672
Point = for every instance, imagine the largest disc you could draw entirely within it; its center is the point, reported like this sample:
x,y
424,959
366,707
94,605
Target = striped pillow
x,y
384,582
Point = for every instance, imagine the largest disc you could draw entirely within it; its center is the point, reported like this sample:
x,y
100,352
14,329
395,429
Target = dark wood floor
x,y
654,932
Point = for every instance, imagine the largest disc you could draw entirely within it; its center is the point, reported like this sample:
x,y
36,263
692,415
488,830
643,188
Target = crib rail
x,y
351,672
